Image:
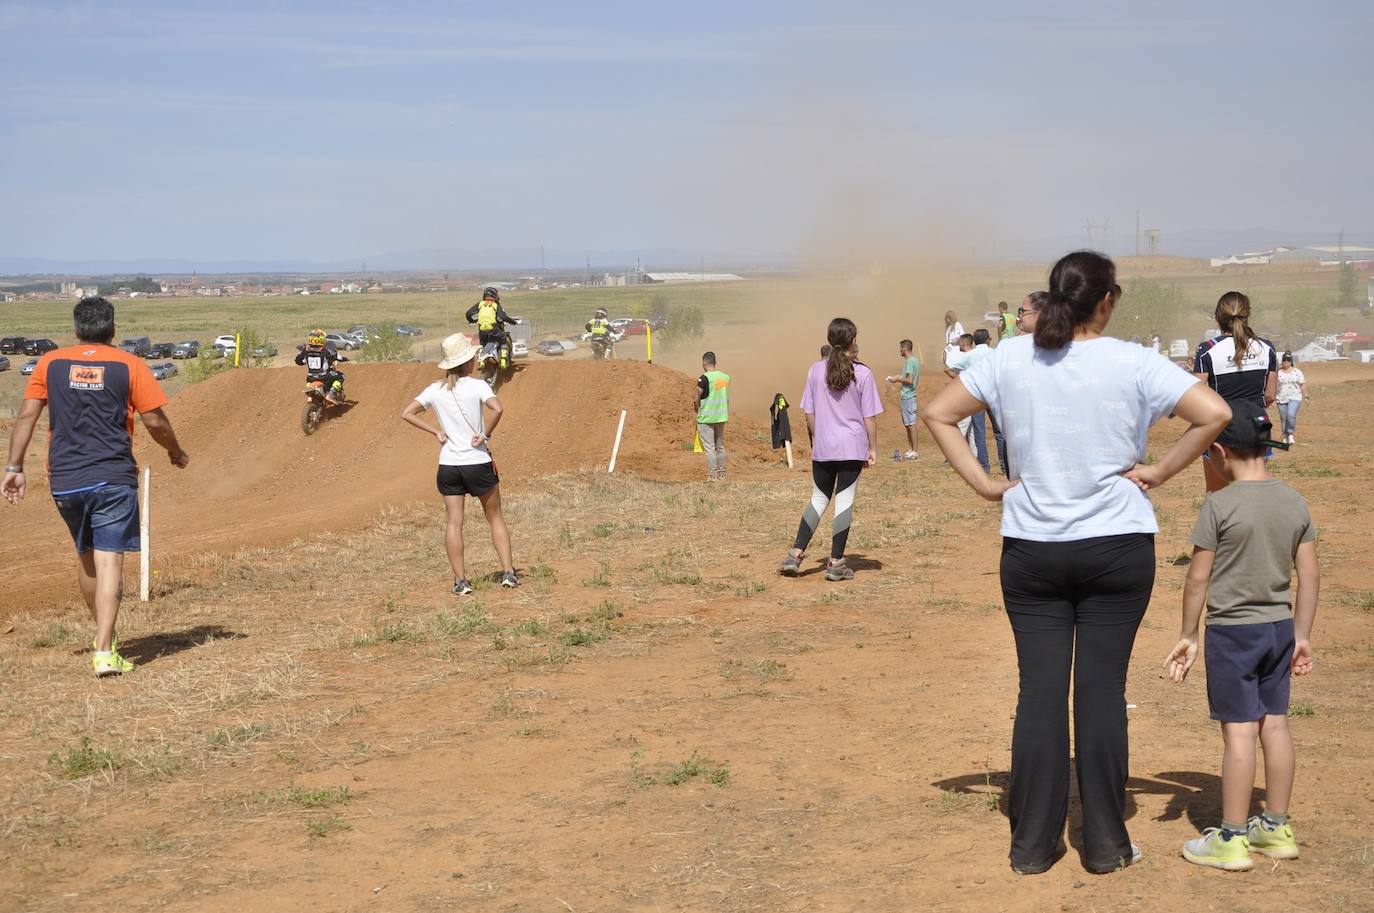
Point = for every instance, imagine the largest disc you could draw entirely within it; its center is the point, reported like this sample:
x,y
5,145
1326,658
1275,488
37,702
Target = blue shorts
x,y
1248,670
909,411
104,518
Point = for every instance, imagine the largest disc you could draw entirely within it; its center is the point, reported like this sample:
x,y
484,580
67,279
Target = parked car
x,y
164,370
628,326
266,350
12,345
29,366
211,351
188,348
226,343
338,341
567,344
38,346
364,332
160,350
550,347
408,330
520,349
4,363
138,345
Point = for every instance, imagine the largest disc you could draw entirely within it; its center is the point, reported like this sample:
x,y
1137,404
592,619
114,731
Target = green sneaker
x,y
1276,844
1229,855
113,664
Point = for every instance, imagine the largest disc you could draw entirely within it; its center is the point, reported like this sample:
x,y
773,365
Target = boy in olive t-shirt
x,y
1248,538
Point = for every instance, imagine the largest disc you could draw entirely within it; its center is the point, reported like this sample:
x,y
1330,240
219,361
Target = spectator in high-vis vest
x,y
713,411
92,392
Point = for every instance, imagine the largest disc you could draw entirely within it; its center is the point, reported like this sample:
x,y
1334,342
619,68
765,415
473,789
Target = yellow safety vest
x,y
486,316
600,327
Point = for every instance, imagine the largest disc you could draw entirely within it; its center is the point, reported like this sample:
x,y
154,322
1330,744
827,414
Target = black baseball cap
x,y
1249,430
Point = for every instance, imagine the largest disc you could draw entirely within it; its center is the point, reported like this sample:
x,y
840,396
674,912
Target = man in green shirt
x,y
910,376
713,411
1006,322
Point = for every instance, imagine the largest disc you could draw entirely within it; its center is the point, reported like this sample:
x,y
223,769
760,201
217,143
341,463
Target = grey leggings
x,y
713,442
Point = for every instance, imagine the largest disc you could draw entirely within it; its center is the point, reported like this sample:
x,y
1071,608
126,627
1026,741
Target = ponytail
x,y
1233,316
839,364
1078,283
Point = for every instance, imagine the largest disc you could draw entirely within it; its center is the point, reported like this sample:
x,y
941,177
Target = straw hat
x,y
457,349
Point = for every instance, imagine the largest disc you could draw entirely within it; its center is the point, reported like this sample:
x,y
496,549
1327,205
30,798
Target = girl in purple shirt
x,y
841,406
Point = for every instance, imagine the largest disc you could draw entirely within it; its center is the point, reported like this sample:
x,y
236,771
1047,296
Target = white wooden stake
x,y
788,445
615,451
144,557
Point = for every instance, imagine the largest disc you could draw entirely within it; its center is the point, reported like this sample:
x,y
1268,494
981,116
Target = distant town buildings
x,y
1325,255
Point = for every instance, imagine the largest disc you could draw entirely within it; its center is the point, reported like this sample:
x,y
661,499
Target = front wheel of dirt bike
x,y
492,375
310,418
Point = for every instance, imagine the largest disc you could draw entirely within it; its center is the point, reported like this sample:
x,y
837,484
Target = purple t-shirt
x,y
840,433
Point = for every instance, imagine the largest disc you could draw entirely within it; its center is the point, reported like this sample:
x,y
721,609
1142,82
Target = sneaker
x,y
1276,844
838,570
1292,438
911,455
1229,855
105,665
510,579
462,587
791,565
1121,862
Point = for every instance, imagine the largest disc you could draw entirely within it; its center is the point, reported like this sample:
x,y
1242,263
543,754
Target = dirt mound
x,y
255,478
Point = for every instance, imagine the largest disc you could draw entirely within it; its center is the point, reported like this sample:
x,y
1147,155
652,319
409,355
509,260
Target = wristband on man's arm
x,y
16,468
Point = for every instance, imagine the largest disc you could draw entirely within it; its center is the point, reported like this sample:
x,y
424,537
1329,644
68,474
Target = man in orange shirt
x,y
92,392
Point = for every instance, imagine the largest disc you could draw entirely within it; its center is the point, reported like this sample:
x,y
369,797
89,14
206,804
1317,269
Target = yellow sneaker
x,y
1278,843
107,664
1229,855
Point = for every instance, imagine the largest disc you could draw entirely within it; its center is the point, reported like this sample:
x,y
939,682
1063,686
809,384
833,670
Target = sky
x,y
343,131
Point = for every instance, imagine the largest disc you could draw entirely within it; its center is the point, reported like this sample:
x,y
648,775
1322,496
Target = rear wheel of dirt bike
x,y
310,418
491,374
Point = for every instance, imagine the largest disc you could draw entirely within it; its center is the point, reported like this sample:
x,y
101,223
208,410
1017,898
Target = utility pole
x,y
541,259
1137,232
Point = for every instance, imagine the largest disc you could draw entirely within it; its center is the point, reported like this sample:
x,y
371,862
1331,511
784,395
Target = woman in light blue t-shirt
x,y
1078,555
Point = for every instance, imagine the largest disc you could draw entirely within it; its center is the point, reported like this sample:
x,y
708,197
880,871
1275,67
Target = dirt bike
x,y
603,347
494,363
322,395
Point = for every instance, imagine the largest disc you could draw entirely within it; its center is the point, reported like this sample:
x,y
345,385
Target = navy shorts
x,y
1248,670
104,518
475,480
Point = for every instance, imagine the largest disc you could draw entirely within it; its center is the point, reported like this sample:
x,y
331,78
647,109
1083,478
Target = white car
x,y
520,349
228,342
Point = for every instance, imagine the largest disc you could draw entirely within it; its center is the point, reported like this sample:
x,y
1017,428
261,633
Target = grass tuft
x,y
84,759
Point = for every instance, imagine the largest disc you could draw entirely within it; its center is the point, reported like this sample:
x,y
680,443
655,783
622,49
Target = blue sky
x,y
348,130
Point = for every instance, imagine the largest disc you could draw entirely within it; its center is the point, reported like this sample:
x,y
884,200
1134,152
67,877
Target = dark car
x,y
160,350
4,363
29,366
186,349
407,330
550,347
38,346
139,345
12,345
266,350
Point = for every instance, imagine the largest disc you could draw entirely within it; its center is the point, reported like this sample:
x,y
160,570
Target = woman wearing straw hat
x,y
468,412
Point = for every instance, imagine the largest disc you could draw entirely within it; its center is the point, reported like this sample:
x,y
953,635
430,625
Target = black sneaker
x,y
462,587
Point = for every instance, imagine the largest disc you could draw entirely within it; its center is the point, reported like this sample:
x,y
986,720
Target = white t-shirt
x,y
460,415
952,334
1074,420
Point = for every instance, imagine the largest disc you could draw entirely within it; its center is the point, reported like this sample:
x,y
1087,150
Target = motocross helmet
x,y
316,337
491,293
601,312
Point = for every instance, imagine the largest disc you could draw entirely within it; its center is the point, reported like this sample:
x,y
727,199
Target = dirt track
x,y
255,479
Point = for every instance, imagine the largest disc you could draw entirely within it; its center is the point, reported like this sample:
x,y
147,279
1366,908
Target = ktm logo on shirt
x,y
87,377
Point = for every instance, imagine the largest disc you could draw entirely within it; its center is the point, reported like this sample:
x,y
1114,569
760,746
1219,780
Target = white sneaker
x,y
1292,438
911,455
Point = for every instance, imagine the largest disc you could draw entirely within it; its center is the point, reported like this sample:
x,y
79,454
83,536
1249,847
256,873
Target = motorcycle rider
x,y
318,358
599,329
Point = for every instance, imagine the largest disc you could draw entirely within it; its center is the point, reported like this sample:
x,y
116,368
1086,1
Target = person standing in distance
x,y
1239,365
92,392
713,411
468,412
909,378
1006,322
954,331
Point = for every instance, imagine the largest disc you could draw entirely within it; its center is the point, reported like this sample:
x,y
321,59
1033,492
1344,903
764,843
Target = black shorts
x,y
475,480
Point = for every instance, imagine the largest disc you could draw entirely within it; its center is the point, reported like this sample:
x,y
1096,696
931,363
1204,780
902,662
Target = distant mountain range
x,y
1203,242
